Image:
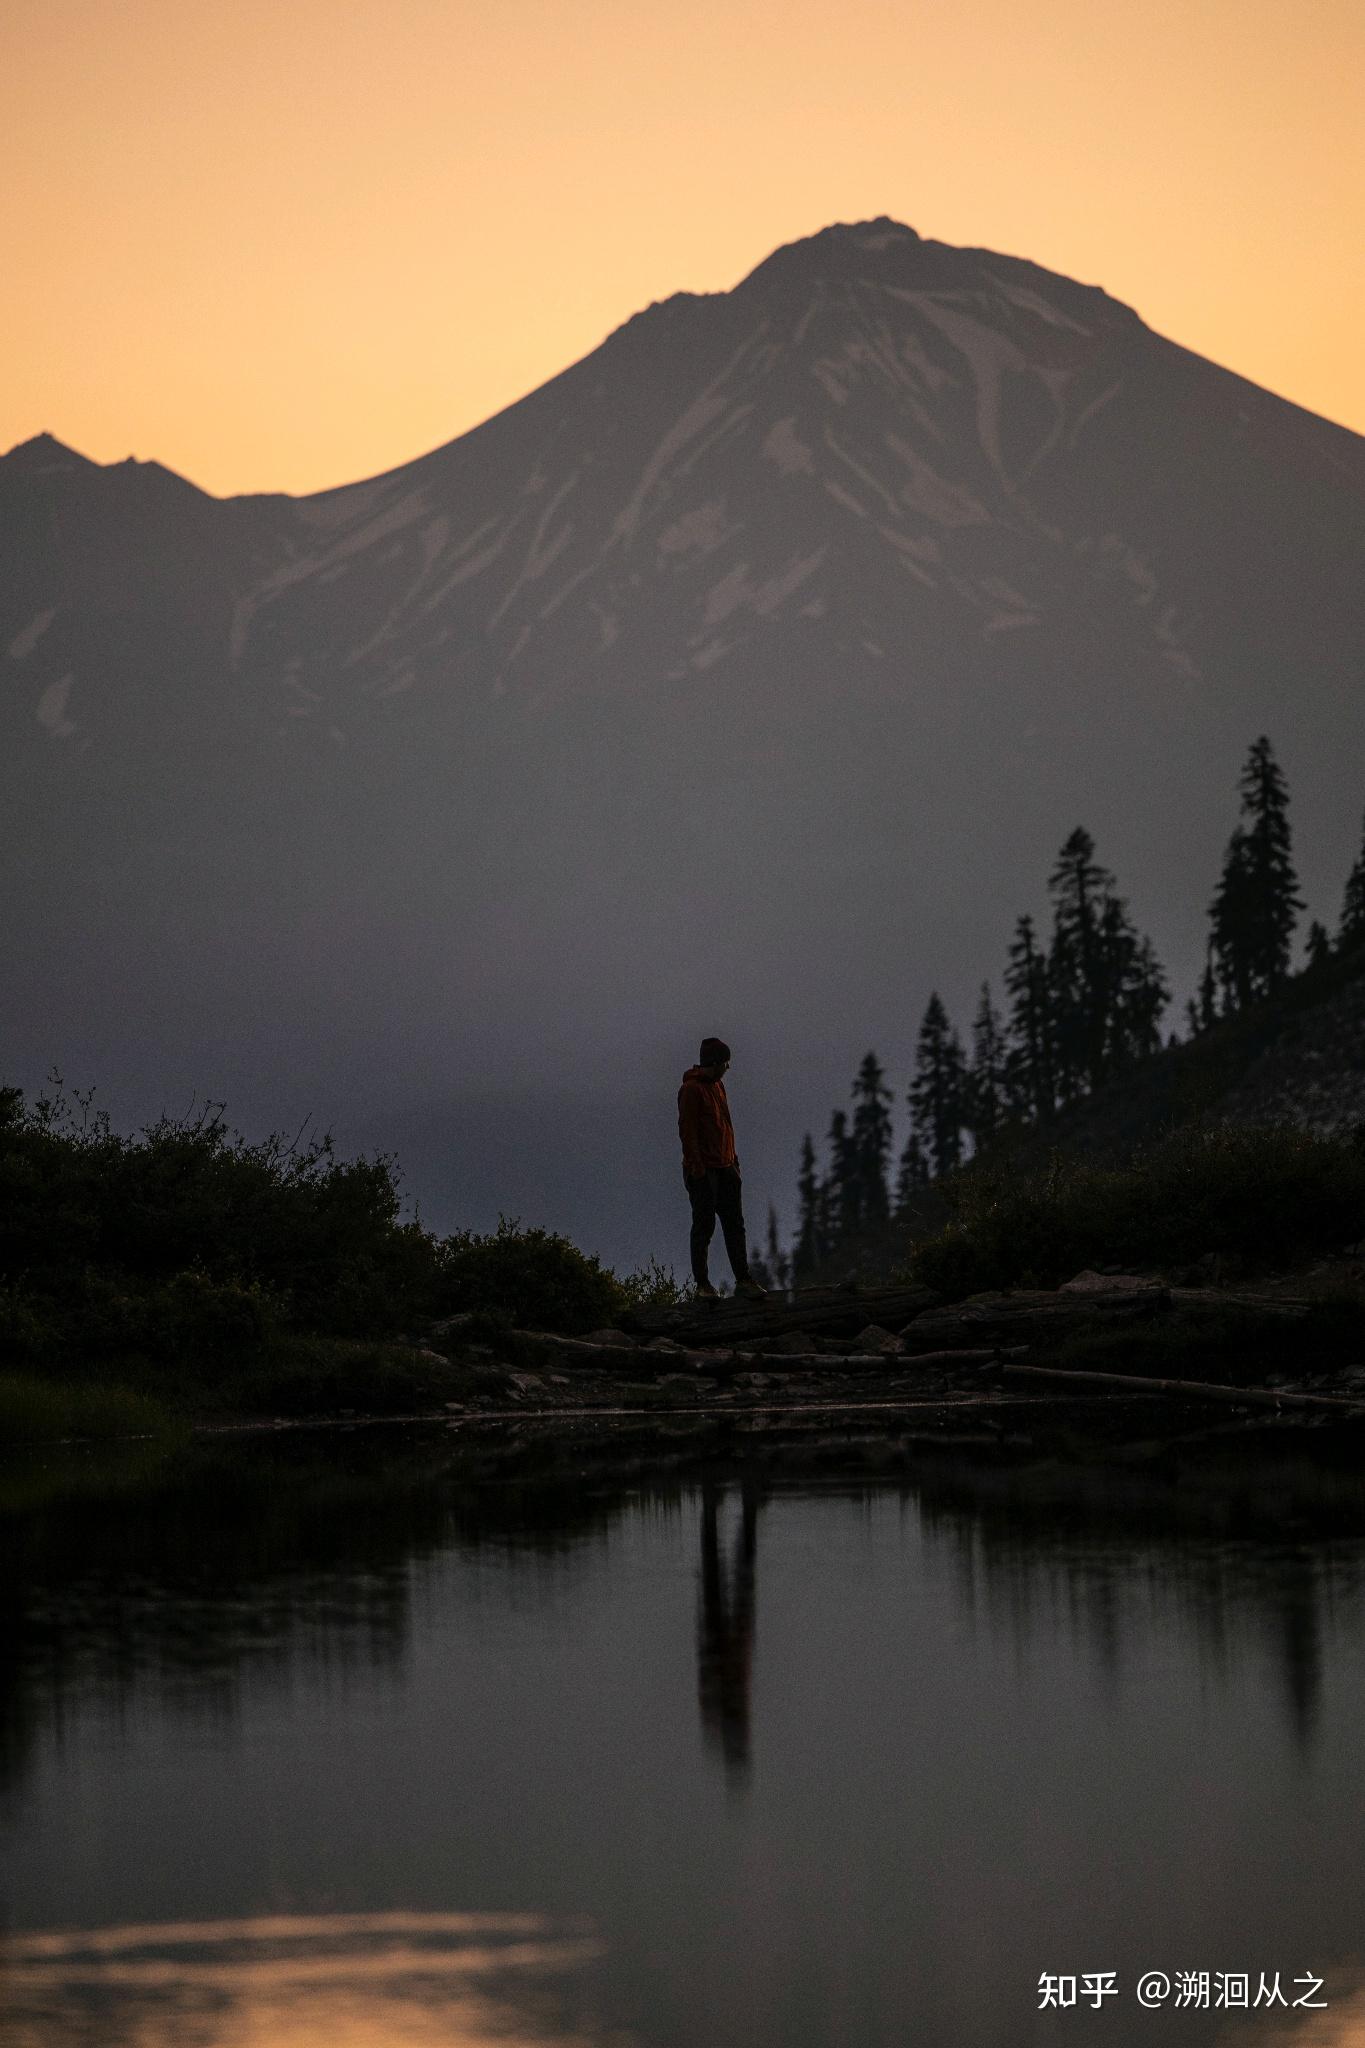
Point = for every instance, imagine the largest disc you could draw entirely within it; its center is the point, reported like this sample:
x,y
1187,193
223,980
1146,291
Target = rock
x,y
526,1383
610,1337
451,1326
433,1357
875,1338
1105,1282
663,1344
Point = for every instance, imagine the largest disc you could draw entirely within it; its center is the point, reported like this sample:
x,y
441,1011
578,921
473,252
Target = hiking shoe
x,y
705,1291
751,1290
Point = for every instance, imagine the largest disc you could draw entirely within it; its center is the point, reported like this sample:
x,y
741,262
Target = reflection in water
x,y
725,1625
414,1671
1239,1562
381,1980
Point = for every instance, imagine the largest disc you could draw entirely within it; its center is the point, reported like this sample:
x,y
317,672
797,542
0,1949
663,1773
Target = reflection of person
x,y
725,1627
711,1168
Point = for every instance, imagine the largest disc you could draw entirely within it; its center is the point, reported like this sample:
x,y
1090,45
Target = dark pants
x,y
717,1192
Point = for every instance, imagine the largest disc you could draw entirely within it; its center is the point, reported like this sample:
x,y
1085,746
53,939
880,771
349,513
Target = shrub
x,y
538,1279
1263,1198
653,1286
188,1236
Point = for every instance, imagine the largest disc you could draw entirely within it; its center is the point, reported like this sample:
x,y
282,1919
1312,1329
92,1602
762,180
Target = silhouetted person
x,y
725,1626
711,1168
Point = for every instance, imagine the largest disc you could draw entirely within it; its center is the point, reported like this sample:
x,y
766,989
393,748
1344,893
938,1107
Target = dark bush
x,y
188,1239
542,1282
1259,1198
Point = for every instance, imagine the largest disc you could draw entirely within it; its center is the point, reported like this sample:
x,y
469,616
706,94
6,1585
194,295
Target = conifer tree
x,y
937,1093
1143,993
808,1249
841,1208
1091,938
986,1080
1317,945
1352,931
912,1173
871,1142
1030,1065
1229,916
1201,1011
1256,905
1107,988
775,1259
826,1220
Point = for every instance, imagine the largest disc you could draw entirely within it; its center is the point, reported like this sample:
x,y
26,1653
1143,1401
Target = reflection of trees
x,y
1240,1550
725,1624
275,1551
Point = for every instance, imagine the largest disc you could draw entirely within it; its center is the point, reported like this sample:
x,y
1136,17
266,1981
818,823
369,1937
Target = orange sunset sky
x,y
283,244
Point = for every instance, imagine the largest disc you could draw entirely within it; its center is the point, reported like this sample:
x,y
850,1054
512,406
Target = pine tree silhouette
x,y
842,1204
1352,931
912,1173
1317,945
1082,962
1030,1059
1202,1009
986,1080
1142,994
1256,905
871,1142
938,1091
808,1249
1107,987
775,1259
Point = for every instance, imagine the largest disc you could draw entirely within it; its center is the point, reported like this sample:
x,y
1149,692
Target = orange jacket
x,y
708,1137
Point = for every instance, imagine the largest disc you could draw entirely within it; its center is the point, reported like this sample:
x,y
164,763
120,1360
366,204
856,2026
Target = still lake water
x,y
379,1741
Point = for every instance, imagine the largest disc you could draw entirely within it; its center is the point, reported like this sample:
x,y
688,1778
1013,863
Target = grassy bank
x,y
41,1410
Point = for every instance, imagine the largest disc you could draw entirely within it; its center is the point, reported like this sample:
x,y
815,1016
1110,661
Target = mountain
x,y
743,678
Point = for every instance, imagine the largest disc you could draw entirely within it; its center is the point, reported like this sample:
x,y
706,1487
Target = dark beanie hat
x,y
713,1051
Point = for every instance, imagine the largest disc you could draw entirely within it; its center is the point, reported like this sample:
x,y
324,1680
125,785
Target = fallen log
x,y
1201,1390
631,1359
811,1308
1027,1318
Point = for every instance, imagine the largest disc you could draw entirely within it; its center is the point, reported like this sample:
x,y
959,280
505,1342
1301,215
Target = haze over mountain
x,y
744,679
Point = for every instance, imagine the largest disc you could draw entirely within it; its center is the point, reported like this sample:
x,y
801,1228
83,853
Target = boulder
x,y
875,1338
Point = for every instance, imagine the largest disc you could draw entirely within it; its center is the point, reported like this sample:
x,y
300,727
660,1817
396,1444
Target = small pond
x,y
390,1739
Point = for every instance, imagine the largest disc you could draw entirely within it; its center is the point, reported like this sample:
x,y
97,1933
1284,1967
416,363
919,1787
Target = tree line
x,y
1081,1004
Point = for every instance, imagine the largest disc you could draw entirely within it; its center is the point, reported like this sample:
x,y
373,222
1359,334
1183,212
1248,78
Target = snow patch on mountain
x,y
934,497
784,446
24,643
990,355
1034,302
51,708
